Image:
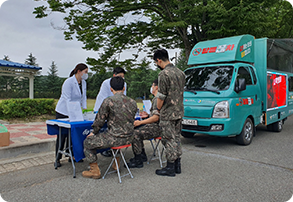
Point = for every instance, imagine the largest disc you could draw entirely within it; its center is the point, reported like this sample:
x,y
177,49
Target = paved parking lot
x,y
213,169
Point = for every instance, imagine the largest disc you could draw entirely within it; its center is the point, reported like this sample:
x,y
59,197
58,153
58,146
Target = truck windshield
x,y
212,79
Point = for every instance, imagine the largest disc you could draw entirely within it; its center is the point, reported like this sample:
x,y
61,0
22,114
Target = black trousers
x,y
64,137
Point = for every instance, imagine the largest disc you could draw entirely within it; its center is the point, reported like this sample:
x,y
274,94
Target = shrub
x,y
21,108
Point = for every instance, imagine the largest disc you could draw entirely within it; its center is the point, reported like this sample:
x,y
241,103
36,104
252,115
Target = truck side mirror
x,y
240,85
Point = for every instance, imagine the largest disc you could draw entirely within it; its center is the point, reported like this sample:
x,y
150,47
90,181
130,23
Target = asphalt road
x,y
213,169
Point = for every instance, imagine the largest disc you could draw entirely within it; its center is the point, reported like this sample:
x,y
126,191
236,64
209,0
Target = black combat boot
x,y
169,170
136,163
144,156
178,166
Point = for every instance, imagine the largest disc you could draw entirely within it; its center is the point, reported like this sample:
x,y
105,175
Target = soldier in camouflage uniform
x,y
119,111
145,130
170,105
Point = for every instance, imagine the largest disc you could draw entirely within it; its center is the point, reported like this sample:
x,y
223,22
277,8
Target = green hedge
x,y
22,108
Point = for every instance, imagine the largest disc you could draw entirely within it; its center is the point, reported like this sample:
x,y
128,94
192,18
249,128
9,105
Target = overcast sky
x,y
21,34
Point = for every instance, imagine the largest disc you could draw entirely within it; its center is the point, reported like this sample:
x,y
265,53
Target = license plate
x,y
189,122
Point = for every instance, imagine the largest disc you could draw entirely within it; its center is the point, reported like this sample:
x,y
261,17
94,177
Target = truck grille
x,y
198,128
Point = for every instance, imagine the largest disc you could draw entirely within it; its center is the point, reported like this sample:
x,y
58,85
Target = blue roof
x,y
4,63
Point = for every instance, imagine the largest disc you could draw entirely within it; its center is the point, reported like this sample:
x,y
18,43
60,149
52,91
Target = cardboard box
x,y
4,139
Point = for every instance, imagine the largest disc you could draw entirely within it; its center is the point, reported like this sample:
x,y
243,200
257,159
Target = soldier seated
x,y
119,111
145,130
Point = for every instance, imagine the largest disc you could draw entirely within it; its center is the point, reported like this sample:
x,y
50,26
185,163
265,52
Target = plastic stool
x,y
115,152
156,149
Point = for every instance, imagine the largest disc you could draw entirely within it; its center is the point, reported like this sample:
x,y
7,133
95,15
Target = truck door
x,y
249,99
257,107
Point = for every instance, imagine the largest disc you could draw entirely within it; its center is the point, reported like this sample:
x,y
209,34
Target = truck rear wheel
x,y
247,133
270,127
187,134
277,126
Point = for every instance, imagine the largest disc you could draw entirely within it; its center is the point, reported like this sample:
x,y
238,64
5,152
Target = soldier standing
x,y
119,111
170,106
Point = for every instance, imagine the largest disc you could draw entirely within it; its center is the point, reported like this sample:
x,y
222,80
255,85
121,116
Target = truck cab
x,y
222,93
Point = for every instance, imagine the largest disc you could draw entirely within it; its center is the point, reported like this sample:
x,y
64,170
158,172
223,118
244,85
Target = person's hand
x,y
143,114
136,123
91,134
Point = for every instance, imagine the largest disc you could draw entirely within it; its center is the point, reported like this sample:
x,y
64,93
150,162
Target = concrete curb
x,y
21,149
27,161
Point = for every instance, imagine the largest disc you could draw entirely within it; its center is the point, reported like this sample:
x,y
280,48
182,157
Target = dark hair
x,y
161,54
117,83
79,67
118,70
156,82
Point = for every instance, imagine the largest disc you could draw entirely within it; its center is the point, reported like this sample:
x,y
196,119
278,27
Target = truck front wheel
x,y
187,134
247,133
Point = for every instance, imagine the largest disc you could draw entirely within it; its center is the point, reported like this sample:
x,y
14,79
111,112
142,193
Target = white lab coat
x,y
70,93
104,93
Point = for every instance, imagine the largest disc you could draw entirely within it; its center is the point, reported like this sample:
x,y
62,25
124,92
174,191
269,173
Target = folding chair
x,y
156,149
116,151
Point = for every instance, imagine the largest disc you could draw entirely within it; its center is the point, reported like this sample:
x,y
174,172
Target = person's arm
x,y
159,103
101,117
67,90
162,90
103,93
152,119
143,115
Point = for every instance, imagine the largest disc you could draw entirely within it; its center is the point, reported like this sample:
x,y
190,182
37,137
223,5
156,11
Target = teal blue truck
x,y
235,84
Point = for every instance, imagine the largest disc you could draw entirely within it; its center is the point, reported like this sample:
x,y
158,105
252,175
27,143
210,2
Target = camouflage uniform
x,y
146,132
171,88
119,111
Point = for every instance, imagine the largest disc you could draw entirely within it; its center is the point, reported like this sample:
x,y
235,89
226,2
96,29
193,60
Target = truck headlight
x,y
221,110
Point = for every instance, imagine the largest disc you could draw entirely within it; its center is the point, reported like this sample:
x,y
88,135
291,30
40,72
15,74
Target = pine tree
x,y
31,60
53,81
53,70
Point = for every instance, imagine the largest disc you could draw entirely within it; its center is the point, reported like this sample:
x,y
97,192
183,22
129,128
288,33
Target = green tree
x,y
53,83
140,80
53,70
119,25
94,83
181,61
31,60
8,84
40,86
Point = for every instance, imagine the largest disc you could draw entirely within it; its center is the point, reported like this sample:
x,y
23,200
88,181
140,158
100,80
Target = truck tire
x,y
247,133
187,134
270,127
277,126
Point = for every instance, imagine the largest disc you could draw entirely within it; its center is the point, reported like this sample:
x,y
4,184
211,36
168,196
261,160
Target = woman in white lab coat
x,y
73,89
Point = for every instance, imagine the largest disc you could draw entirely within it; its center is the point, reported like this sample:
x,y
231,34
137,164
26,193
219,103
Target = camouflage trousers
x,y
102,141
144,132
171,139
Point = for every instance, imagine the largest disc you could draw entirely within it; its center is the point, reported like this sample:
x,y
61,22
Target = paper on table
x,y
74,111
147,105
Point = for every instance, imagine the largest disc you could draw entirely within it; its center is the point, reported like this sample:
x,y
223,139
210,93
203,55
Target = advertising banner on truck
x,y
276,90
